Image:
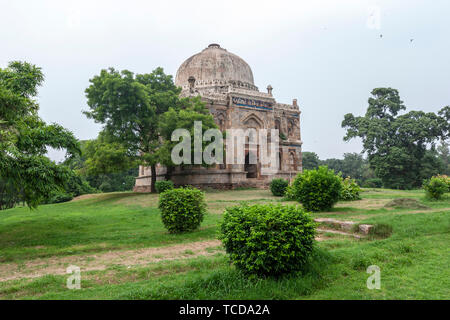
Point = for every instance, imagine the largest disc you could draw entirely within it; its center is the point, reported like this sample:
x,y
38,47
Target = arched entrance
x,y
250,168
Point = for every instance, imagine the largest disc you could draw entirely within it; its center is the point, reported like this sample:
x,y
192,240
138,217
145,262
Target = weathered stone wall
x,y
225,83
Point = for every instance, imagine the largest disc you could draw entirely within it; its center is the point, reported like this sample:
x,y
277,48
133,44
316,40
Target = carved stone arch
x,y
277,124
220,118
251,120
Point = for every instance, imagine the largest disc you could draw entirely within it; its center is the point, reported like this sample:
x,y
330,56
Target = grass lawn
x,y
124,252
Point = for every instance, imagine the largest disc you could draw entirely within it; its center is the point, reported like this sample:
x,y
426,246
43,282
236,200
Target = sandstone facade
x,y
225,83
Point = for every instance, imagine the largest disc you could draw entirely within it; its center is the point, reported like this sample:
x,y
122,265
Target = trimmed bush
x,y
163,185
318,189
289,194
436,186
182,209
278,187
268,239
350,190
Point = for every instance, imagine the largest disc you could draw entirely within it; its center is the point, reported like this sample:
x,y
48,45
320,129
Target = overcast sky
x,y
329,54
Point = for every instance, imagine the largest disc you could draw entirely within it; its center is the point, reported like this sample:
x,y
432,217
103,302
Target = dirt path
x,y
57,265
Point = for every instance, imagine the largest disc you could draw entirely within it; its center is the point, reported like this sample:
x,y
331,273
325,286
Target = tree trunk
x,y
169,172
152,187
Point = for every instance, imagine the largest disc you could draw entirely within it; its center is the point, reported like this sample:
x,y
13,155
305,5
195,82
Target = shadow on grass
x,y
229,283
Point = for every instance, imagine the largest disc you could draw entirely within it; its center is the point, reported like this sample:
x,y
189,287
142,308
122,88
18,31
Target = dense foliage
x,y
317,190
26,174
182,209
400,147
310,160
268,239
89,167
74,186
353,165
373,183
350,190
131,108
278,187
437,186
163,185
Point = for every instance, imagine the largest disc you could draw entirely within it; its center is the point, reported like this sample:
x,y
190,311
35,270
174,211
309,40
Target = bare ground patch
x,y
364,204
57,266
392,212
143,200
240,195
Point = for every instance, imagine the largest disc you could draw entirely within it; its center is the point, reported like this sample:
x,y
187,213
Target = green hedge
x,y
436,187
350,190
267,239
317,190
278,187
182,209
163,185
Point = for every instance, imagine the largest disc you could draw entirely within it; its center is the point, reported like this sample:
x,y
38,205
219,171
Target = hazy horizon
x,y
328,55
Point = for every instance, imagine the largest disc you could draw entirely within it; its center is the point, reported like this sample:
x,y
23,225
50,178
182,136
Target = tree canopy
x,y
26,174
400,147
135,110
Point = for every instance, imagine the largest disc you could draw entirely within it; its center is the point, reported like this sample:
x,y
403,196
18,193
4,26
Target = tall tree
x,y
26,174
399,147
310,160
131,107
353,165
444,154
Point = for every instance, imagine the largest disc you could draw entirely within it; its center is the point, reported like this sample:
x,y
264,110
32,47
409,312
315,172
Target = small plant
x,y
163,185
350,190
436,186
182,209
318,189
268,239
278,187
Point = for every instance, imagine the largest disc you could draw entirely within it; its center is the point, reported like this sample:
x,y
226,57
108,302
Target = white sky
x,y
323,52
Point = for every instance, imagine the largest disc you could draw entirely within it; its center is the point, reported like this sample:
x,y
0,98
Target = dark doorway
x,y
251,169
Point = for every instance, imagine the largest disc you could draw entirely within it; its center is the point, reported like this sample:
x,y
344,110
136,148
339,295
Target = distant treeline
x,y
356,166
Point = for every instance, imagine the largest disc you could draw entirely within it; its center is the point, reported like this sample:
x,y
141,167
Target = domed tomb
x,y
212,66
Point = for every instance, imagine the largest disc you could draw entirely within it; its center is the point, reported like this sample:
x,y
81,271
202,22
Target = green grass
x,y
92,225
413,260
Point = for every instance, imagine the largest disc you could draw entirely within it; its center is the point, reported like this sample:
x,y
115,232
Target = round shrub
x,y
436,186
350,190
278,187
163,185
318,189
268,239
182,209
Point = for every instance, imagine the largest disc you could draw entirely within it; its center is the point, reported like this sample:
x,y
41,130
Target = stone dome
x,y
214,65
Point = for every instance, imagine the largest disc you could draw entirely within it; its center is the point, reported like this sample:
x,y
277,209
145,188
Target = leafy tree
x,y
353,165
89,167
310,160
26,174
398,146
191,110
130,107
444,156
